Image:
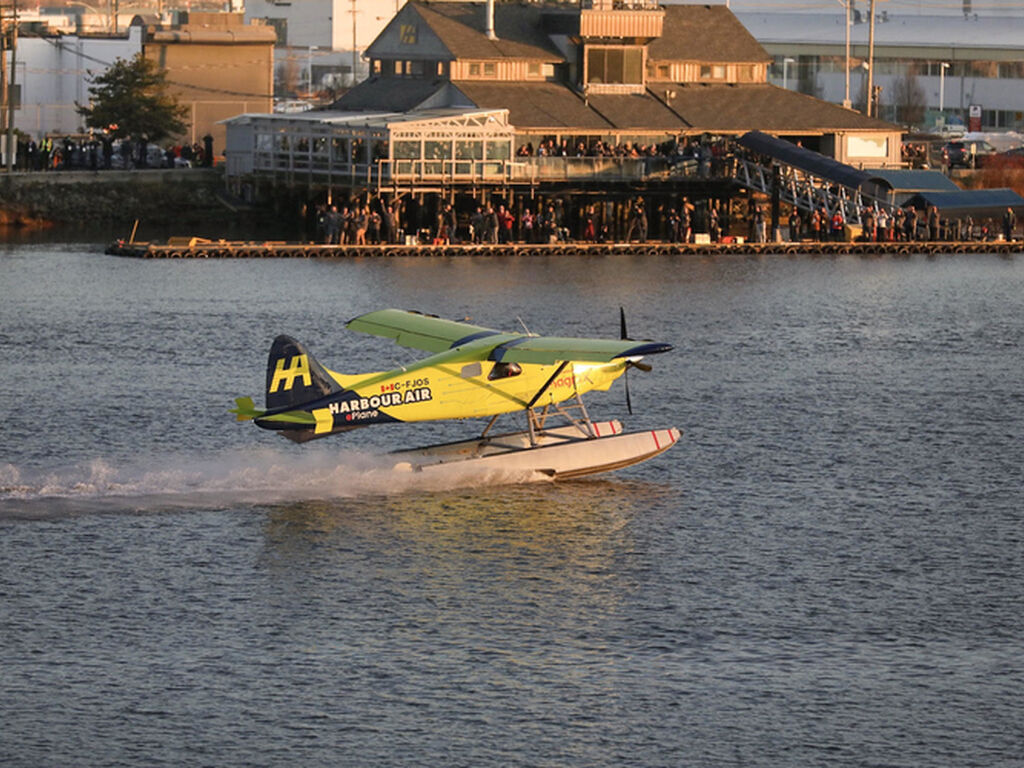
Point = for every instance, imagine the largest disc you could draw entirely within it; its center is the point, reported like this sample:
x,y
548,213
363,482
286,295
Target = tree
x,y
130,99
908,98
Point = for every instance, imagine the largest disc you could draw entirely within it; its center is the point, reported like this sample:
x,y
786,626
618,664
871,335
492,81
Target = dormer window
x,y
615,65
712,72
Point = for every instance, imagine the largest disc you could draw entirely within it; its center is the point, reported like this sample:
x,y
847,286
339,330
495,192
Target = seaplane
x,y
472,372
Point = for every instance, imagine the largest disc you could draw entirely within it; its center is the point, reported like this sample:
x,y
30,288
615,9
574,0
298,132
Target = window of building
x,y
489,69
1011,69
615,65
548,70
499,150
406,150
280,29
474,69
469,150
712,72
339,149
533,69
415,68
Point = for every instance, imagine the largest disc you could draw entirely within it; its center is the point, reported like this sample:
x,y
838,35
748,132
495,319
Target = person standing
x,y
816,225
838,225
794,225
1009,224
910,224
933,223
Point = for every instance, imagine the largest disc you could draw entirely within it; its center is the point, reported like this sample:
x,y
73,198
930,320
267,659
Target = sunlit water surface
x,y
827,570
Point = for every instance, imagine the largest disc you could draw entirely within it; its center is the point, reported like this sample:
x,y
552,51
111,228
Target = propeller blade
x,y
622,324
629,403
642,366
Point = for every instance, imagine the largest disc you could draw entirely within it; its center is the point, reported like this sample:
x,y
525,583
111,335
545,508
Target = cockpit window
x,y
504,371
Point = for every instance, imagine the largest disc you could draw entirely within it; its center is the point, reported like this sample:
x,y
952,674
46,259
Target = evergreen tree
x,y
130,99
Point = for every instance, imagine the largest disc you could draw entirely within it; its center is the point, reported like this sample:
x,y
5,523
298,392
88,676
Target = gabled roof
x,y
535,105
460,27
721,108
636,110
708,33
396,94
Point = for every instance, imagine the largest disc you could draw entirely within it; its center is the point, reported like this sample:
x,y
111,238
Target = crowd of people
x,y
557,220
101,152
704,156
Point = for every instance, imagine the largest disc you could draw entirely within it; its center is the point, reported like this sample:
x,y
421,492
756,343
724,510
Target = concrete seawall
x,y
158,196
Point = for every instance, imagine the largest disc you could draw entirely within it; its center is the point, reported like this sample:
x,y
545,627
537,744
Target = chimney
x,y
489,23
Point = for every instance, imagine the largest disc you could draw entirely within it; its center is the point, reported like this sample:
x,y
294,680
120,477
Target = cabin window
x,y
504,371
471,370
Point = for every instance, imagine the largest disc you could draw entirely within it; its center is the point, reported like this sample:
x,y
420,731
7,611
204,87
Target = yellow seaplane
x,y
474,372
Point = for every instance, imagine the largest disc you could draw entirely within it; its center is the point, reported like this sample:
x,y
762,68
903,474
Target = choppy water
x,y
827,570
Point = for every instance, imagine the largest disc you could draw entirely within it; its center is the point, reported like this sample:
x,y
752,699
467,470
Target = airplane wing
x,y
434,334
419,331
547,350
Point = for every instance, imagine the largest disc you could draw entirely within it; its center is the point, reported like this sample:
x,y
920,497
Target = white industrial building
x,y
952,62
321,41
52,74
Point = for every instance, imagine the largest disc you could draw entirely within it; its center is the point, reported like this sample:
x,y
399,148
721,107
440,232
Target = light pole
x,y
846,98
942,85
309,69
785,71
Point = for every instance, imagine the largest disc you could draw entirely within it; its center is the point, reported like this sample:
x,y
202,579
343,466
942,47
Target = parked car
x,y
958,153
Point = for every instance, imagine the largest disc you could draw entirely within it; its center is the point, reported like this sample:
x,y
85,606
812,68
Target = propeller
x,y
651,348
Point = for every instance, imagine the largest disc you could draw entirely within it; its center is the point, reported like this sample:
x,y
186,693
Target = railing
x,y
518,170
807,191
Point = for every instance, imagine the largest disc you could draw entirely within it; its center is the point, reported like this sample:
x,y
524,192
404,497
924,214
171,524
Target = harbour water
x,y
827,570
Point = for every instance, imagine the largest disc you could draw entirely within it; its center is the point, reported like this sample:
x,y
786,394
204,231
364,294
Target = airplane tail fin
x,y
294,377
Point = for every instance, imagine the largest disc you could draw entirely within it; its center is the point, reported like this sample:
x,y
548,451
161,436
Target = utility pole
x,y
846,95
9,85
871,58
355,53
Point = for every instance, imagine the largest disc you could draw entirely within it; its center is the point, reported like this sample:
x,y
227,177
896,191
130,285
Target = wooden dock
x,y
199,248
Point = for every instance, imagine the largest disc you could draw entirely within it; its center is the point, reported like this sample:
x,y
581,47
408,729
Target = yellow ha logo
x,y
297,366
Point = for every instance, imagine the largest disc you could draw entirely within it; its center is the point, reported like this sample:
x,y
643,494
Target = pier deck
x,y
197,248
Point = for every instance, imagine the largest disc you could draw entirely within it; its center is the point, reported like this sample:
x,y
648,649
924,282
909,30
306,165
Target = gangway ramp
x,y
805,178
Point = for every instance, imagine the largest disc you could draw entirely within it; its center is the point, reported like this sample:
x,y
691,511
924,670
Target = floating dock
x,y
200,248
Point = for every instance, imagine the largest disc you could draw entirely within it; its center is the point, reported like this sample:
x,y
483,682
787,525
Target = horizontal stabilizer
x,y
246,409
